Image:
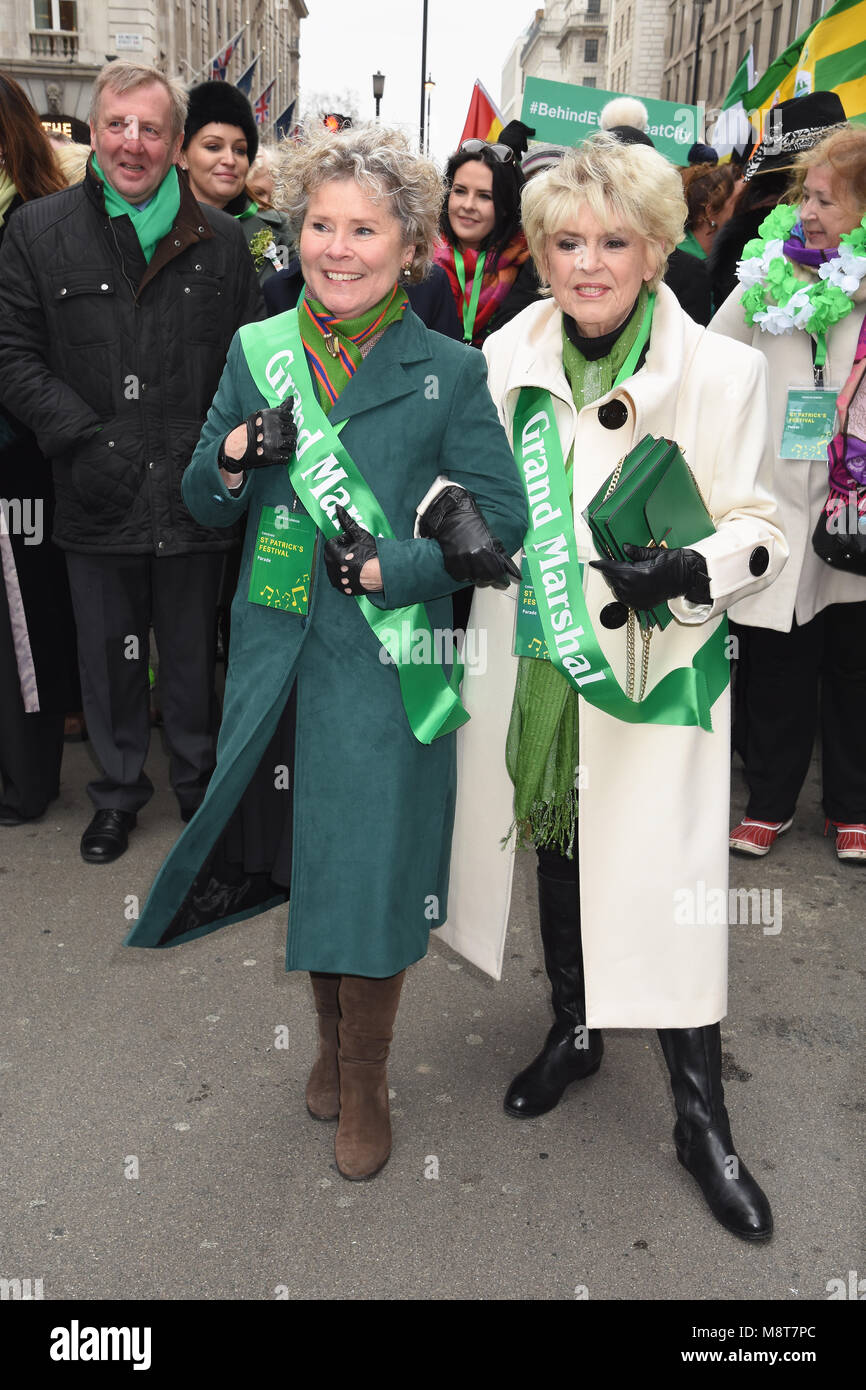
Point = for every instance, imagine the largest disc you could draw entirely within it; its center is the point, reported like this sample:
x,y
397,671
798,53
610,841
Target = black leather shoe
x,y
8,816
702,1132
107,836
570,1053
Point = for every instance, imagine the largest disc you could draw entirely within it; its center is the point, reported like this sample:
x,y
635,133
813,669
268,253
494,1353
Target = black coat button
x,y
613,414
759,560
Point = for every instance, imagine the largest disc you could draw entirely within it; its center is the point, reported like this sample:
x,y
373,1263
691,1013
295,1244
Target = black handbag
x,y
839,538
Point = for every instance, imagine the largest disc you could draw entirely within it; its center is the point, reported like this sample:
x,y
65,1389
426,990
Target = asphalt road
x,y
155,1143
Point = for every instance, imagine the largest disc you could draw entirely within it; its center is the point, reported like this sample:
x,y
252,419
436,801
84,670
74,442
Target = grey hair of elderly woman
x,y
627,186
384,167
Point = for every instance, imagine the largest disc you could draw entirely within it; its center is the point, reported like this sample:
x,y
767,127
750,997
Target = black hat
x,y
630,135
702,154
793,126
223,103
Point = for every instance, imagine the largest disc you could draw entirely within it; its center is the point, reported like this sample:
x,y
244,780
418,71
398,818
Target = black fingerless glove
x,y
470,551
272,438
656,575
345,555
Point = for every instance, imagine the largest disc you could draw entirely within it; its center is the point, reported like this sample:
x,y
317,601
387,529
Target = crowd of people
x,y
362,406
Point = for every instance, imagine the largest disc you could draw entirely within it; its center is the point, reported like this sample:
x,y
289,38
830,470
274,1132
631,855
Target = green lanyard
x,y
470,309
637,347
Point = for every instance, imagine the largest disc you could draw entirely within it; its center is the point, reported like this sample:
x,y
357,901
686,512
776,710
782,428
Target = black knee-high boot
x,y
703,1133
571,1051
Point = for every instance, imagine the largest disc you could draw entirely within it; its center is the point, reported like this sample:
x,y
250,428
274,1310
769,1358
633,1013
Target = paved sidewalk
x,y
155,1142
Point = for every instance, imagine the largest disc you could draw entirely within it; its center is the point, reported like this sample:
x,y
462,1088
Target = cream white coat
x,y
800,485
653,824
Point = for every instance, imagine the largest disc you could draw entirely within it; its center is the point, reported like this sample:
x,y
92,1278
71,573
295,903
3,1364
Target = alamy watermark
x,y
24,517
701,906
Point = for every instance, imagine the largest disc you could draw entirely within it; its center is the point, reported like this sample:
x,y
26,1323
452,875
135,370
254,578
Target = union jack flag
x,y
219,63
262,107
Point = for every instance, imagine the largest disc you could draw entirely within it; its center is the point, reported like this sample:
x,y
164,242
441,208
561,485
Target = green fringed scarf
x,y
541,751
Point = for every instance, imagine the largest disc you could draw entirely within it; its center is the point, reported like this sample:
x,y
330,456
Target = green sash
x,y
323,474
684,696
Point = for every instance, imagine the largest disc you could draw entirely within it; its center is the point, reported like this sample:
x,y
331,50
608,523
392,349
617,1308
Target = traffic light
x,y
334,121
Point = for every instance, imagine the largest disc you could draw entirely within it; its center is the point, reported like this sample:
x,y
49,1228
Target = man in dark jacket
x,y
118,301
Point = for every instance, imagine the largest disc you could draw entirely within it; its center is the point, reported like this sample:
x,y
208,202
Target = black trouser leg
x,y
571,1050
111,599
185,589
781,704
843,705
31,745
703,1133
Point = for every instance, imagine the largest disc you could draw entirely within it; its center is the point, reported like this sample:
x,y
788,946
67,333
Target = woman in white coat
x,y
642,806
810,628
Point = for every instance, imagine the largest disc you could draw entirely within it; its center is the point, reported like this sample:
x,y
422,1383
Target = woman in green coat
x,y
335,780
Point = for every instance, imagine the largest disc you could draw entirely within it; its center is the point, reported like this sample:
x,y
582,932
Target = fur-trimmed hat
x,y
223,103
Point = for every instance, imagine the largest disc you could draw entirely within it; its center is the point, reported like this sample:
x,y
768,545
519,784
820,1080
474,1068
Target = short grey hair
x,y
632,183
384,167
125,77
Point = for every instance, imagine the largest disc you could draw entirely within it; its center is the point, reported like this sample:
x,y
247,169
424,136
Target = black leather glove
x,y
517,136
470,551
656,575
272,437
346,555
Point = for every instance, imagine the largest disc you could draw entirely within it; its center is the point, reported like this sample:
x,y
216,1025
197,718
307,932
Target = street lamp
x,y
428,88
378,89
700,4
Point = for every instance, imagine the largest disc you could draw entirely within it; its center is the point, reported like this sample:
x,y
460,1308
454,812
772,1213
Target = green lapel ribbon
x,y
470,309
151,223
684,696
323,474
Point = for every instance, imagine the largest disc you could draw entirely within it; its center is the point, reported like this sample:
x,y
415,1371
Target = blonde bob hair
x,y
384,167
628,186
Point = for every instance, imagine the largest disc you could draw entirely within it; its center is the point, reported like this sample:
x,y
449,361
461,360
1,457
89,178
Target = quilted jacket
x,y
113,363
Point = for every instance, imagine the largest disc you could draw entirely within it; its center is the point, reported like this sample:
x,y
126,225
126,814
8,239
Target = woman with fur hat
x,y
220,144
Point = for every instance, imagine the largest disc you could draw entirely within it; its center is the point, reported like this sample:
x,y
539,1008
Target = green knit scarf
x,y
541,751
151,223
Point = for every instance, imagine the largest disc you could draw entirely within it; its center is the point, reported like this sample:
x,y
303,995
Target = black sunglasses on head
x,y
504,153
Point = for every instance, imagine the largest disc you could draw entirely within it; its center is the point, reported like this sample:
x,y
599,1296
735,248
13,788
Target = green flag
x,y
744,78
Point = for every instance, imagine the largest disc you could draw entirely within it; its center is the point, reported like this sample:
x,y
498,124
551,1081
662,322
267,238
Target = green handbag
x,y
651,498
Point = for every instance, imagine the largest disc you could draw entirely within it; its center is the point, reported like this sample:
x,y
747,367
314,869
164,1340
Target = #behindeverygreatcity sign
x,y
563,114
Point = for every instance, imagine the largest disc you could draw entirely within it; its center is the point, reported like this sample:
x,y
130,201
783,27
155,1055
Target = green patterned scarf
x,y
335,347
541,751
151,223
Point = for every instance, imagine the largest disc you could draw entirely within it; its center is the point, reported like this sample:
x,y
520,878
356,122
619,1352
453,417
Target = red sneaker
x,y
757,836
850,839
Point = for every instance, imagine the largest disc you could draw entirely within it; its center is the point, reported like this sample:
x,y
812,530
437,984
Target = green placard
x,y
810,420
563,114
280,575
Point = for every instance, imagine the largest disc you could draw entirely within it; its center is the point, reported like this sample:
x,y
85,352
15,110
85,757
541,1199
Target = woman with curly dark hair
x,y
482,248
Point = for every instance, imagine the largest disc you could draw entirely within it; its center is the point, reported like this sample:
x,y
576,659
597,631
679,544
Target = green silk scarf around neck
x,y
541,750
331,370
151,223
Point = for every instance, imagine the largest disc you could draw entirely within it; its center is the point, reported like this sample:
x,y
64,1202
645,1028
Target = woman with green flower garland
x,y
802,302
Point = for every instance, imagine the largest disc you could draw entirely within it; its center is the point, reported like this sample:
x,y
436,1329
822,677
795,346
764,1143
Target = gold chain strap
x,y
646,637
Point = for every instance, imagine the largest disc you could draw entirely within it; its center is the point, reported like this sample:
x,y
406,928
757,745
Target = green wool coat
x,y
372,809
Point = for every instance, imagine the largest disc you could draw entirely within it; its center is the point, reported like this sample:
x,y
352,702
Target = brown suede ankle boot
x,y
323,1087
367,1011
